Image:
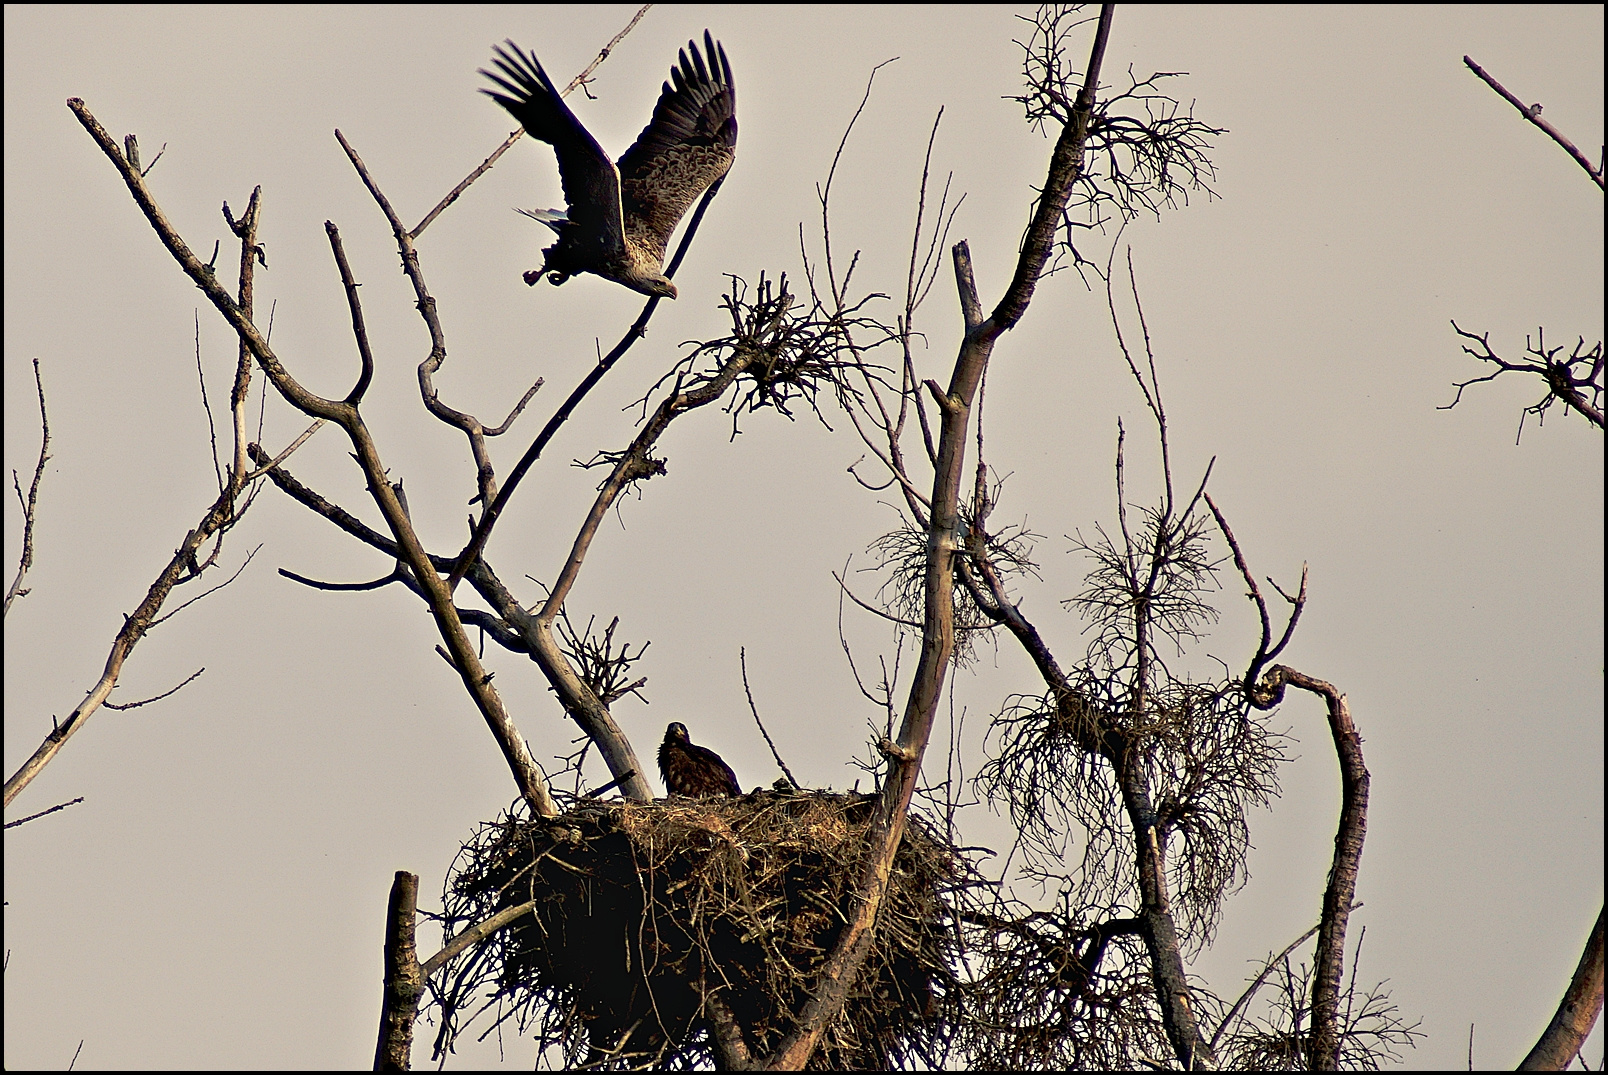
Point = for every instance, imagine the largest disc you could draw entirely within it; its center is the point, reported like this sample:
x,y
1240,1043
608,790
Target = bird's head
x,y
676,730
658,285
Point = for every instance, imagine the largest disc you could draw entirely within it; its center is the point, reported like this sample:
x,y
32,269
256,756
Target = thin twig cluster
x,y
787,353
1058,988
1574,380
1372,1030
1146,151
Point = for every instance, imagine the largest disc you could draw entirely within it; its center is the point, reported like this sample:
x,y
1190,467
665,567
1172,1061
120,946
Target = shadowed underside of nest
x,y
645,911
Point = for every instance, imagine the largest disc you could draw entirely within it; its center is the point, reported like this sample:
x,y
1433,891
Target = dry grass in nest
x,y
644,909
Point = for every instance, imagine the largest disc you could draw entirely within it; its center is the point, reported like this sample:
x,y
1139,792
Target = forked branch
x,y
842,965
1341,890
1352,829
344,413
30,503
186,562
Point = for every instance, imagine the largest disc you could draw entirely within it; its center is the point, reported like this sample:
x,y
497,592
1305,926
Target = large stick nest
x,y
645,913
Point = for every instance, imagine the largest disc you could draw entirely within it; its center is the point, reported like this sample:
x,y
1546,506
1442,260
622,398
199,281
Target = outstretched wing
x,y
591,181
689,143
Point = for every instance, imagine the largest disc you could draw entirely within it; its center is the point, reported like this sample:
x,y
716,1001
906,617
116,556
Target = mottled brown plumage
x,y
689,769
620,218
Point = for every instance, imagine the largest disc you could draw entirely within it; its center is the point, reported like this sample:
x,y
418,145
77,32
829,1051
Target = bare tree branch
x,y
938,636
1264,652
250,556
1352,829
344,413
42,813
269,464
1256,983
157,698
30,503
485,165
1533,114
1577,1012
1567,379
223,513
742,660
638,330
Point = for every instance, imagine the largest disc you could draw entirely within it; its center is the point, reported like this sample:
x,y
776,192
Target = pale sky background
x,y
218,899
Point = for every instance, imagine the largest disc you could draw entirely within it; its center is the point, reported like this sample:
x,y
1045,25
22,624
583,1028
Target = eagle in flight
x,y
620,216
692,770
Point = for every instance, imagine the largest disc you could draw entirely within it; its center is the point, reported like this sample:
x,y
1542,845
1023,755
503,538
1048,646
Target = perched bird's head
x,y
691,770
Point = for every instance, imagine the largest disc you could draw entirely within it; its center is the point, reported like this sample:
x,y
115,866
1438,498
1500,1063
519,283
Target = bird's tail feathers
x,y
553,218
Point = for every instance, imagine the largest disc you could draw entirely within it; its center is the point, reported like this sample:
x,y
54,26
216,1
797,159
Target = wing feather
x,y
689,143
591,181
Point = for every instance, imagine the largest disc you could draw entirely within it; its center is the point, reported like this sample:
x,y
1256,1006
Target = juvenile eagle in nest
x,y
620,217
692,770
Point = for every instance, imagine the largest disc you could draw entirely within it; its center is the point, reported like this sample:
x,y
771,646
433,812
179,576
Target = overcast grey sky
x,y
217,900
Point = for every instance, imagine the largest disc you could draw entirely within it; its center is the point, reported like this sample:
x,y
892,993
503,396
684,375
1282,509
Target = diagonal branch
x,y
1577,1012
485,165
344,413
1533,114
42,813
742,659
635,463
638,329
185,562
1066,165
1260,979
